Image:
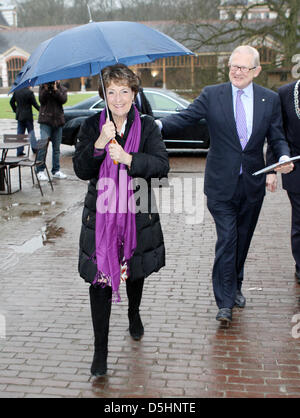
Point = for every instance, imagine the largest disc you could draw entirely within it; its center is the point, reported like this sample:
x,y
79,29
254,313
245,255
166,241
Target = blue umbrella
x,y
84,50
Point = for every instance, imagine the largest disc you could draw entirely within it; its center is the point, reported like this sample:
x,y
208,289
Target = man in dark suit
x,y
240,116
289,98
21,103
142,103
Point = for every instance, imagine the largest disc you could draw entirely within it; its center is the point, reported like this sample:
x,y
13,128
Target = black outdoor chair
x,y
11,162
40,159
3,178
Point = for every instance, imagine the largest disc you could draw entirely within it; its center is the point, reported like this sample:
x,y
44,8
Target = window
x,y
99,105
14,66
283,76
158,101
267,55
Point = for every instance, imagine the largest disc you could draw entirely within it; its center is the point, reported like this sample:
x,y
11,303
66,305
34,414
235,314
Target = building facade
x,y
208,66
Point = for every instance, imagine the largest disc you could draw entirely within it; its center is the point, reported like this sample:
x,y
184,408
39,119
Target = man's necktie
x,y
241,121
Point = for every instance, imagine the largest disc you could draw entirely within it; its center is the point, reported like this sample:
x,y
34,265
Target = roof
x,y
29,38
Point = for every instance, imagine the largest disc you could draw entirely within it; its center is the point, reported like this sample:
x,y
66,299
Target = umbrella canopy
x,y
84,50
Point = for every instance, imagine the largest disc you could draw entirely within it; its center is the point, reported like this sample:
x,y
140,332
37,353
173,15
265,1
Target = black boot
x,y
100,299
134,292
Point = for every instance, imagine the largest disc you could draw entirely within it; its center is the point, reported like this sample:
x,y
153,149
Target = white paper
x,y
272,166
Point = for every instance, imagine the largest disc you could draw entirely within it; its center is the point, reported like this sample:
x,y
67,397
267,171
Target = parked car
x,y
163,102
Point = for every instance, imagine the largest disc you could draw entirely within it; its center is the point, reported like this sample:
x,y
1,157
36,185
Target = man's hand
x,y
285,168
159,124
271,182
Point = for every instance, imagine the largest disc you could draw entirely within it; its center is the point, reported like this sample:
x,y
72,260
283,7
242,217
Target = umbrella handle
x,y
104,95
113,141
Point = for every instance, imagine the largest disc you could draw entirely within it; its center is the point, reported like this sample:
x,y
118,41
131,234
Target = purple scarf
x,y
115,233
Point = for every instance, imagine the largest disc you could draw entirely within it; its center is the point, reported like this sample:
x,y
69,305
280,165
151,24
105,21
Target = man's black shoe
x,y
224,314
22,154
240,300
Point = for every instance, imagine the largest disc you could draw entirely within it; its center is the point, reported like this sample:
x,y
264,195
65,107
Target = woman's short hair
x,y
119,74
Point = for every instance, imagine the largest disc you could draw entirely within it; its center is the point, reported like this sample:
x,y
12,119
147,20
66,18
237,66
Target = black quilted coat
x,y
151,161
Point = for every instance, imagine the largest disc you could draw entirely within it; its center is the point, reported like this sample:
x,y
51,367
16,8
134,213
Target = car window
x,y
98,105
160,102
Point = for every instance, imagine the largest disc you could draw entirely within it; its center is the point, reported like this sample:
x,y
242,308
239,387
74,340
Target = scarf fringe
x,y
101,279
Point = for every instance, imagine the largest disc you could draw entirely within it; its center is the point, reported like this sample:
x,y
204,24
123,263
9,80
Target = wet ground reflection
x,y
26,210
47,235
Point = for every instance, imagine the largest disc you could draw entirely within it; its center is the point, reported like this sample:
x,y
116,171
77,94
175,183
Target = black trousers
x,y
295,227
235,222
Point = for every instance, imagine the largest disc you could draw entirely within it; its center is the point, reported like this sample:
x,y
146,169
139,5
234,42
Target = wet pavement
x,y
46,342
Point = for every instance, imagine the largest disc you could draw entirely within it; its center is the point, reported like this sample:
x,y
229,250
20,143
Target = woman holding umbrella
x,y
120,239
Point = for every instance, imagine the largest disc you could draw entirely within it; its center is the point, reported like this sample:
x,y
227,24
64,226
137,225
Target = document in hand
x,y
272,166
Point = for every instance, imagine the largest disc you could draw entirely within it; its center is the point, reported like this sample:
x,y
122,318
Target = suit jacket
x,y
291,124
225,155
142,103
22,102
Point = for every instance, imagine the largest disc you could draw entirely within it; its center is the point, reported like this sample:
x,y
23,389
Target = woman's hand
x,y
118,154
108,133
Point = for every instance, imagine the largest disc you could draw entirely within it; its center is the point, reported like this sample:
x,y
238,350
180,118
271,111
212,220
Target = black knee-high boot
x,y
100,299
134,290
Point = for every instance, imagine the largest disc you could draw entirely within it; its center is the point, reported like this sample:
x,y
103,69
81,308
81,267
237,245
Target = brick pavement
x,y
185,352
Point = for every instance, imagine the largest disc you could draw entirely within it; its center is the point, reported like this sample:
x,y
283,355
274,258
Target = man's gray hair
x,y
248,50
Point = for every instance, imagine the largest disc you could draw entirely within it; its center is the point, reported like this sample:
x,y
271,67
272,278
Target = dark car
x,y
163,102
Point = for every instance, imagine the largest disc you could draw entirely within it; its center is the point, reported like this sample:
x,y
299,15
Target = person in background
x,y
142,103
21,103
289,98
240,116
117,242
52,96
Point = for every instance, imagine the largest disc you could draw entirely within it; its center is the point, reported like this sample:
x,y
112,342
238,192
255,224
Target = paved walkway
x,y
46,342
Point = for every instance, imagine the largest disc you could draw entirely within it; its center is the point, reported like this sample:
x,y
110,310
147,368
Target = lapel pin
x,y
263,100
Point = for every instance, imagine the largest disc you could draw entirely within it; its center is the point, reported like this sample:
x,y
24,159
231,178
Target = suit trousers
x,y
295,228
22,126
235,222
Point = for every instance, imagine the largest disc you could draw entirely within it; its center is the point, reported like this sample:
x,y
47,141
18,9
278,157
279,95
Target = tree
x,y
283,30
57,12
41,12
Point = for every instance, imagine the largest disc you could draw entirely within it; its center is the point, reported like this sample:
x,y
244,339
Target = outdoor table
x,y
5,147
